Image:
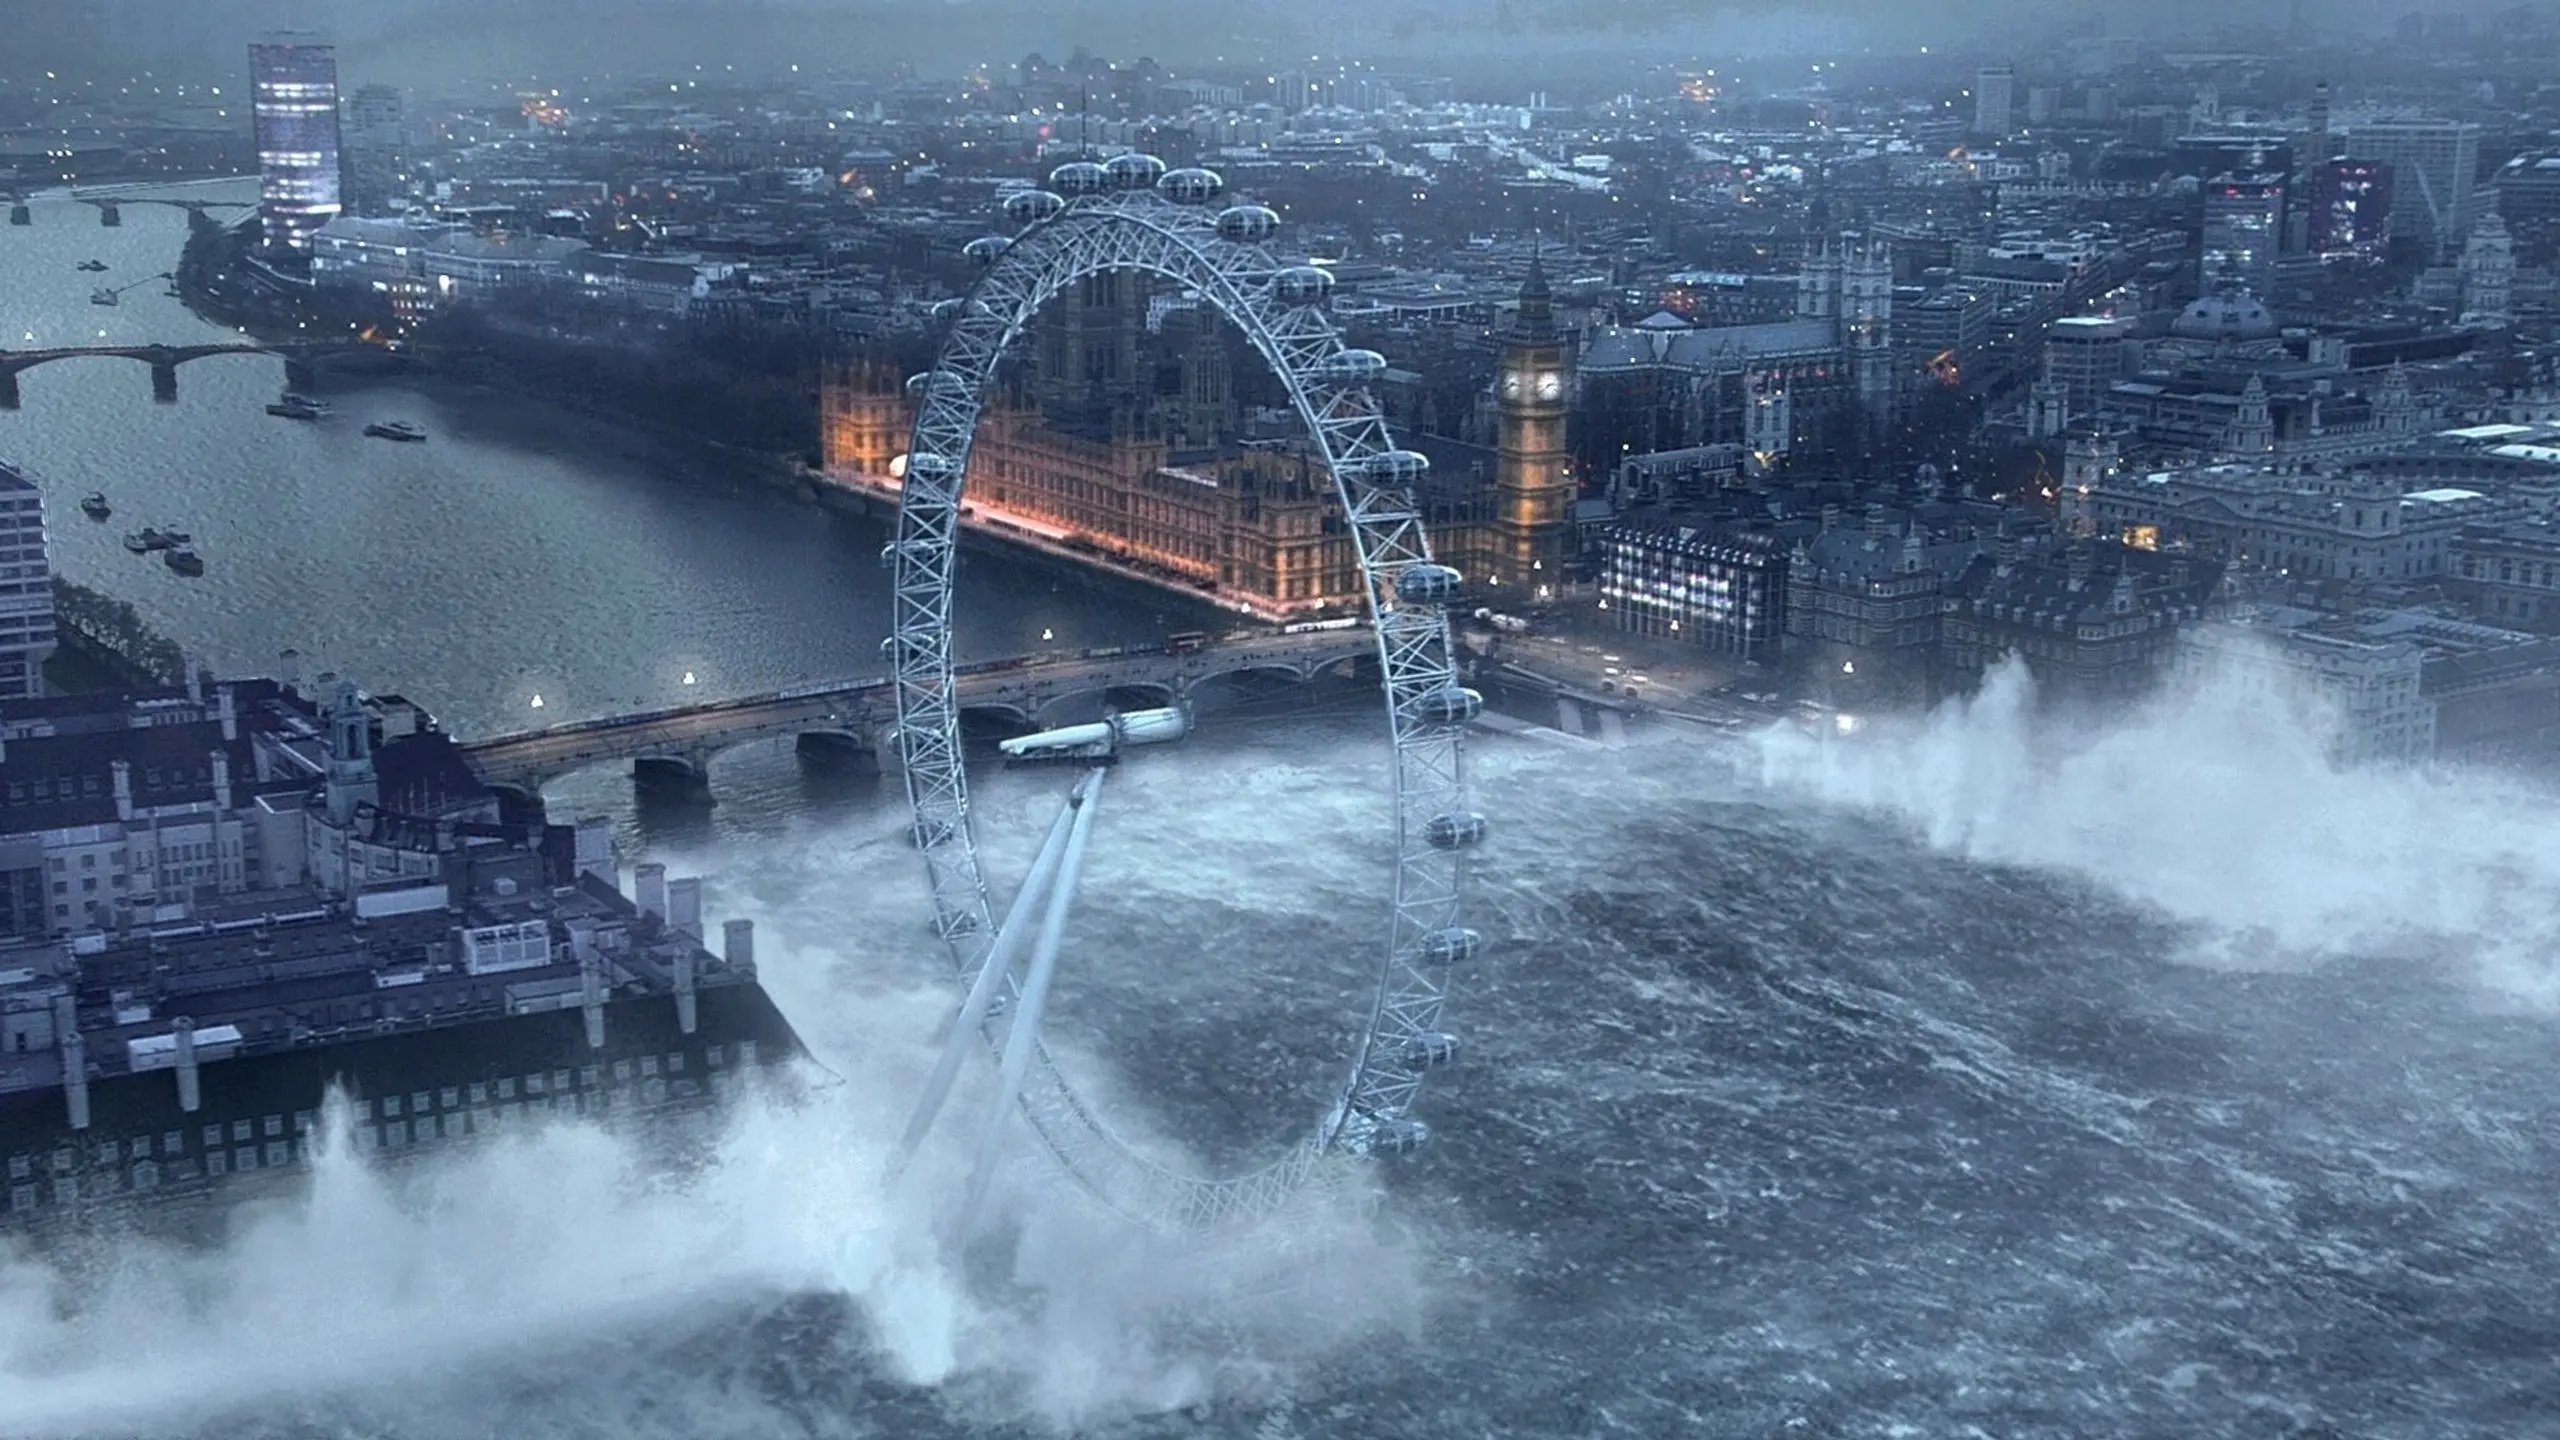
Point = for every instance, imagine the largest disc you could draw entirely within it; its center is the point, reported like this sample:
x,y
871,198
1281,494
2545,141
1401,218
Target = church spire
x,y
1537,319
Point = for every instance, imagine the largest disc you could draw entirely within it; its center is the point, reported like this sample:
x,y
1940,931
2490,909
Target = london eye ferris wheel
x,y
1133,215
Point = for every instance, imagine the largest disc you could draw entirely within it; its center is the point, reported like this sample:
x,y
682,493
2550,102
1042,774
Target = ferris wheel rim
x,y
1279,310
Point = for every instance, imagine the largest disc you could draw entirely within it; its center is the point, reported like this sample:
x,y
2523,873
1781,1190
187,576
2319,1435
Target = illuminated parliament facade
x,y
1123,440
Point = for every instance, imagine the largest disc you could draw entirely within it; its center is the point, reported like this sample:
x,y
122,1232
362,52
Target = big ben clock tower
x,y
1533,486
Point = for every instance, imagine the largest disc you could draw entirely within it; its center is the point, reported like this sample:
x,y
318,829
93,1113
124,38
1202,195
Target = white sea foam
x,y
2217,804
419,1301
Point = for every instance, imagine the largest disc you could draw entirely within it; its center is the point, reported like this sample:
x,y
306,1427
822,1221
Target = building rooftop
x,y
1721,347
279,980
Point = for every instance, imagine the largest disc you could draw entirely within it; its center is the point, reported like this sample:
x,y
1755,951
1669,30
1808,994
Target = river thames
x,y
522,551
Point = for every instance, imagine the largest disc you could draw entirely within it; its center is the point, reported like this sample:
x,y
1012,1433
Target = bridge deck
x,y
526,758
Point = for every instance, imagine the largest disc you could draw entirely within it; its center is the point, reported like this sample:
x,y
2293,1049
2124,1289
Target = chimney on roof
x,y
227,709
123,770
649,889
195,678
684,906
1876,528
2084,563
738,946
2004,547
1830,517
222,781
687,1007
190,1080
591,995
75,1060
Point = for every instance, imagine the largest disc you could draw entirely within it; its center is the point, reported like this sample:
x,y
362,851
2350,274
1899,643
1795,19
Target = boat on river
x,y
400,430
183,559
95,506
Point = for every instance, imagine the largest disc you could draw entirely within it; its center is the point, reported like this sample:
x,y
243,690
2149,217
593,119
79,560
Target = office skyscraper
x,y
294,100
2350,206
1991,94
26,587
2319,146
2434,167
377,159
2243,221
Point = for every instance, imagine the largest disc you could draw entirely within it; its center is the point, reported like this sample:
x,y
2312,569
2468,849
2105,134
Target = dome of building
x,y
2230,315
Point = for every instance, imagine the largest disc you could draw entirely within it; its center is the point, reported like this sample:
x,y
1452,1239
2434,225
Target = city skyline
x,y
1425,720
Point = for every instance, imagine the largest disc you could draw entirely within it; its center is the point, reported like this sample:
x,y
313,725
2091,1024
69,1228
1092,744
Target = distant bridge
x,y
111,208
164,361
111,200
860,716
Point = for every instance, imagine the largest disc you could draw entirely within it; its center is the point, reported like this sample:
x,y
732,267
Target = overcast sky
x,y
431,43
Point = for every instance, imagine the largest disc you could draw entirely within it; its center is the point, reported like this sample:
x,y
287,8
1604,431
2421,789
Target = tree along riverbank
x,y
103,644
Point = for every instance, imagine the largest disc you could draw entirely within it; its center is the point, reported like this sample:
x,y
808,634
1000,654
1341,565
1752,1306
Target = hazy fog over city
x,y
459,41
1355,718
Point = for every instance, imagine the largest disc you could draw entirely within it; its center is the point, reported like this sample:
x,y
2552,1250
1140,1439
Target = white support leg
x,y
1025,1031
982,993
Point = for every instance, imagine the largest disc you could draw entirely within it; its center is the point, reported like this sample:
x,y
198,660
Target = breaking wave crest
x,y
564,1264
2217,803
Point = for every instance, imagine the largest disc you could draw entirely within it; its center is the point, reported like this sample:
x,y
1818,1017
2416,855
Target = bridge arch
x,y
163,361
1062,706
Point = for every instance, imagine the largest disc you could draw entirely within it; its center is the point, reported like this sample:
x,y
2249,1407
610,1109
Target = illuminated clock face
x,y
1550,385
1510,384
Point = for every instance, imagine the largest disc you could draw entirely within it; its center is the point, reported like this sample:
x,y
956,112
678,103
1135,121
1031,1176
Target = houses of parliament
x,y
1129,435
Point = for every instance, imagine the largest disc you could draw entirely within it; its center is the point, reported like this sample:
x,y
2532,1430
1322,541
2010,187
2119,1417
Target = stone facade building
x,y
2373,690
2099,621
1158,478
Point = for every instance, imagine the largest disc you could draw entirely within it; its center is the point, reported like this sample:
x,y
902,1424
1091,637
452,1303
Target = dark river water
x,y
1965,1078
521,551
